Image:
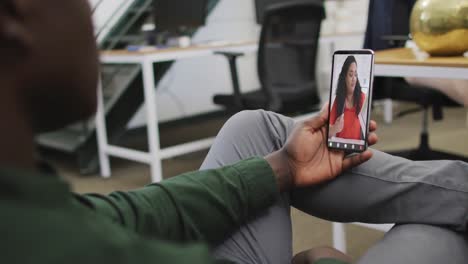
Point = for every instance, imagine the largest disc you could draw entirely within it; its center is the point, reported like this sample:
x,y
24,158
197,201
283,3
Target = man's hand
x,y
306,160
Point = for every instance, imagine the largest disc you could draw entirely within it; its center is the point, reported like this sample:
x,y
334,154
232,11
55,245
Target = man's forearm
x,y
205,205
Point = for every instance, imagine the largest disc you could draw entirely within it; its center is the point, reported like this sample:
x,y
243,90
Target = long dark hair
x,y
341,88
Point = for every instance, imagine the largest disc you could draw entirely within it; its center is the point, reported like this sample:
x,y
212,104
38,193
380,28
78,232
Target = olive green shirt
x,y
175,221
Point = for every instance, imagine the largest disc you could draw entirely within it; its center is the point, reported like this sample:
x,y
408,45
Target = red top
x,y
352,126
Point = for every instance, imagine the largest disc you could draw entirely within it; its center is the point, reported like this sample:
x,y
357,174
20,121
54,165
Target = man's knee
x,y
261,122
413,243
247,118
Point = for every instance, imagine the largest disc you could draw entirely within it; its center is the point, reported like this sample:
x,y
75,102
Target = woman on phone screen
x,y
344,115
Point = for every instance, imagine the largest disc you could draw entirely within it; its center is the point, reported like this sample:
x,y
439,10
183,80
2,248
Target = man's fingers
x,y
324,111
325,107
319,120
372,139
372,126
356,160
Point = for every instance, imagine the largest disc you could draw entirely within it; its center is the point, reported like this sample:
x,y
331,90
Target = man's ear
x,y
15,40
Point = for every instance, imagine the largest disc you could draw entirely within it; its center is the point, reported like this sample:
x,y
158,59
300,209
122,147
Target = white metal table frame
x,y
399,70
155,154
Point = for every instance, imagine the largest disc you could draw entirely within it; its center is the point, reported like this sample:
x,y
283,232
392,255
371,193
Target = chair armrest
x,y
229,54
232,58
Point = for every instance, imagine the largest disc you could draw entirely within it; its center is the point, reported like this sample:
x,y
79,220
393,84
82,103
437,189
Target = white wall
x,y
189,86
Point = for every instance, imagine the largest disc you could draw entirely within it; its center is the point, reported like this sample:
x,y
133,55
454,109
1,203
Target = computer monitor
x,y
175,15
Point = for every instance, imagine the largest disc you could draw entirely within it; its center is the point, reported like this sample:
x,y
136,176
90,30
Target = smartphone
x,y
350,100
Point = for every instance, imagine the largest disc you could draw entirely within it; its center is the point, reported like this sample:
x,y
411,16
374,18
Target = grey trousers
x,y
428,199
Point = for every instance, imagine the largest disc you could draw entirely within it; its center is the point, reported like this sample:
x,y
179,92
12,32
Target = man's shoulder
x,y
32,234
56,235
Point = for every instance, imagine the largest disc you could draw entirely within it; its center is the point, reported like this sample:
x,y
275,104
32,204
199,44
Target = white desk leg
x,y
152,121
339,236
102,134
388,111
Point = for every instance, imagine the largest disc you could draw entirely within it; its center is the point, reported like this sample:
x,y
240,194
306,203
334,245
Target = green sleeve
x,y
199,206
329,261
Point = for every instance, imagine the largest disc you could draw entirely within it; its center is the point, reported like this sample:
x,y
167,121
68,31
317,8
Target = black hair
x,y
341,88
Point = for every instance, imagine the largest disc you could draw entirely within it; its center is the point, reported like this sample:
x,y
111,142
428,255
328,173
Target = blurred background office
x,y
188,83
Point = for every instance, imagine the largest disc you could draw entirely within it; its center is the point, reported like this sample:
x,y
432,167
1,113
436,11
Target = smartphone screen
x,y
350,100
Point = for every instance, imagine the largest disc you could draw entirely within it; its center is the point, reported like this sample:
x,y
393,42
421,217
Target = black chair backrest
x,y
288,44
387,17
401,16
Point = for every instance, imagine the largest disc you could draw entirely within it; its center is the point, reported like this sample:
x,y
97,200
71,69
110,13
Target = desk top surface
x,y
200,47
405,56
206,46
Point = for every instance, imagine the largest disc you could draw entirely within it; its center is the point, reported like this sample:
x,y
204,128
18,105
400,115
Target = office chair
x,y
286,61
379,36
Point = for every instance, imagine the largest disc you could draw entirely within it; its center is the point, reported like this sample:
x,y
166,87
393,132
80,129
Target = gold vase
x,y
440,27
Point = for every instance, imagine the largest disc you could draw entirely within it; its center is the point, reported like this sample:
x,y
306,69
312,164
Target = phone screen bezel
x,y
369,96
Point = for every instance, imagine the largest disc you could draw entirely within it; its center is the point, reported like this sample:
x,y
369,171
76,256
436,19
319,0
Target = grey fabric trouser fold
x,y
386,189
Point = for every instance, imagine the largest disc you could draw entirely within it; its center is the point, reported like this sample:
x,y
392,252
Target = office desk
x,y
146,59
402,62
